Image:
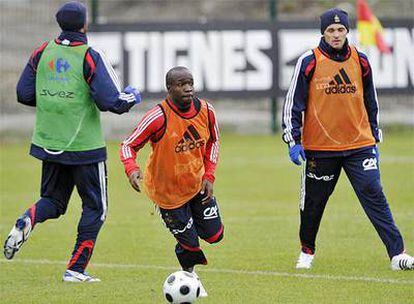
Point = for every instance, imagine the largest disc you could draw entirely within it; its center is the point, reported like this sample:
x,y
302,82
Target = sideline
x,y
225,271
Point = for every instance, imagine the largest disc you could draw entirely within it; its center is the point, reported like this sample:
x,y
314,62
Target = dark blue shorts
x,y
193,220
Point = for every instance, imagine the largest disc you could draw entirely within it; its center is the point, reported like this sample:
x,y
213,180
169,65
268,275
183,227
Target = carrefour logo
x,y
59,65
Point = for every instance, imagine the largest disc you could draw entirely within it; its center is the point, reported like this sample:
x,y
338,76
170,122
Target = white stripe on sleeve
x,y
110,70
216,126
287,111
214,152
143,125
127,97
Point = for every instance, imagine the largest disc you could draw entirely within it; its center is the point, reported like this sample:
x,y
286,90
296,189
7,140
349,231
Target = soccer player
x,y
179,175
333,97
69,83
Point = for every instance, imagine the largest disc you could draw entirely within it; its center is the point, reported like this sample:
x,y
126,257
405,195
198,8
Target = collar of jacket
x,y
334,54
75,38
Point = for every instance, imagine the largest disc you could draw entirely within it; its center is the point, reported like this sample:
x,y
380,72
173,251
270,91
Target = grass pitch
x,y
257,189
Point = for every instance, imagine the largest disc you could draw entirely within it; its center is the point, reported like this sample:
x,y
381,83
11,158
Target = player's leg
x,y
91,183
207,220
180,222
362,170
56,189
319,177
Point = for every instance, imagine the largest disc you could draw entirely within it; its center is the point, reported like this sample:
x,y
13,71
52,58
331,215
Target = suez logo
x,y
325,178
186,227
60,94
341,84
190,140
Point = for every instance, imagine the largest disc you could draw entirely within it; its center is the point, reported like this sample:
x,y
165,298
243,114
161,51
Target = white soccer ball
x,y
181,287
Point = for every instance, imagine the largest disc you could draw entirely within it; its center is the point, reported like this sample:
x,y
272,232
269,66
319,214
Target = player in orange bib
x,y
179,175
333,97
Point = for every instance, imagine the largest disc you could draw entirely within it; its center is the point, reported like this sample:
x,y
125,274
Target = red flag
x,y
370,31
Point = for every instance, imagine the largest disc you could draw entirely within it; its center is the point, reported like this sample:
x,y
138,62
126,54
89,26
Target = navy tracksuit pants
x,y
58,182
198,218
318,182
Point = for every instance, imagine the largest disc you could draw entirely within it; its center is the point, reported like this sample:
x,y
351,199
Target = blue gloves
x,y
295,152
132,90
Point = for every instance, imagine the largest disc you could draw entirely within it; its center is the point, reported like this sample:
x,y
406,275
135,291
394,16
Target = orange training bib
x,y
335,116
176,164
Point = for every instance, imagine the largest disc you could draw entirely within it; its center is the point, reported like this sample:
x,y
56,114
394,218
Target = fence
x,y
27,23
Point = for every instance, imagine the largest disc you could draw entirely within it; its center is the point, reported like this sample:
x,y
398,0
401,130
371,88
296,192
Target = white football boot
x,y
402,261
203,292
17,236
78,277
304,261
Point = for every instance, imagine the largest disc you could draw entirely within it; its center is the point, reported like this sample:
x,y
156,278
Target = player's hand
x,y
132,90
206,190
295,152
135,178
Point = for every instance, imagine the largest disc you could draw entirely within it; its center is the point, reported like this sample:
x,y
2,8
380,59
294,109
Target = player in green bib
x,y
69,83
67,119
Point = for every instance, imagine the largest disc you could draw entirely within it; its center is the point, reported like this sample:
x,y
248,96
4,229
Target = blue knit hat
x,y
334,16
71,16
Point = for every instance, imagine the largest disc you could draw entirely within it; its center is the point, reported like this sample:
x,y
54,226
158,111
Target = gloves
x,y
132,90
295,152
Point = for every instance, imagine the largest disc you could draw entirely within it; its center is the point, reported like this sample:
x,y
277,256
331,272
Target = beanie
x,y
334,16
71,16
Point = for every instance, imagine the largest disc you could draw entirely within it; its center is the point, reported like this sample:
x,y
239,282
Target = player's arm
x,y
296,98
104,85
211,154
26,87
370,97
149,128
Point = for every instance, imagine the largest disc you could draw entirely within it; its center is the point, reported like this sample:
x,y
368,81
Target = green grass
x,y
257,189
